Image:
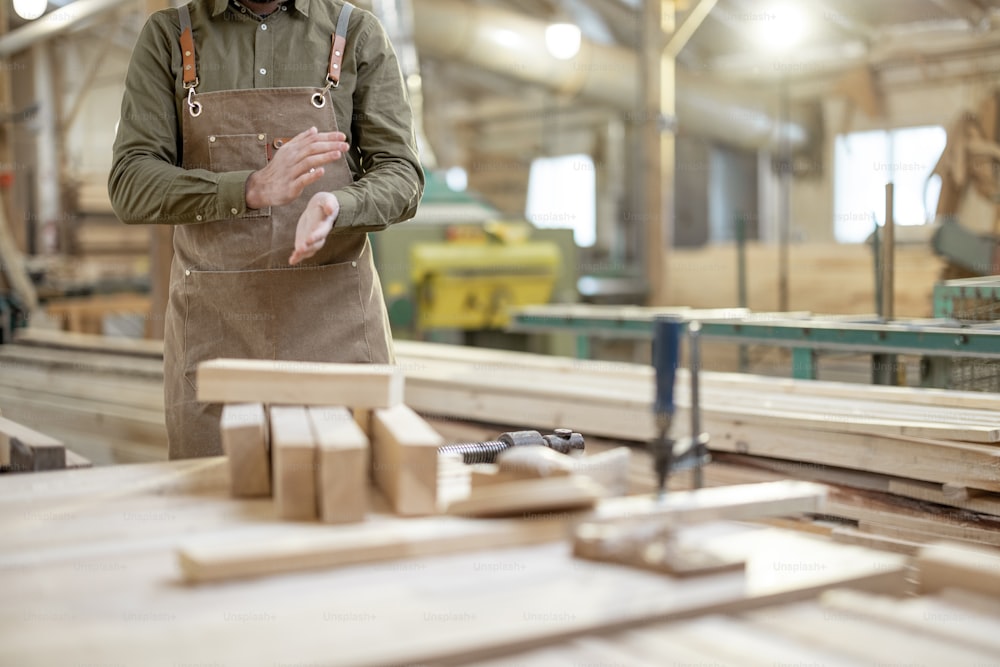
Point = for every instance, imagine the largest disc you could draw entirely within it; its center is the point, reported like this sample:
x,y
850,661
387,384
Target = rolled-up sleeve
x,y
391,181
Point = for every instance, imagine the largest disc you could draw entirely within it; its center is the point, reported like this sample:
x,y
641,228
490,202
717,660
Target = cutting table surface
x,y
89,575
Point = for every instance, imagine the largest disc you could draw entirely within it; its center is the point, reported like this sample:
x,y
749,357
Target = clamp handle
x,y
666,355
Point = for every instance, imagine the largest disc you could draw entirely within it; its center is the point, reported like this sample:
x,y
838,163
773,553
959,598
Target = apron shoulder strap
x,y
339,42
187,48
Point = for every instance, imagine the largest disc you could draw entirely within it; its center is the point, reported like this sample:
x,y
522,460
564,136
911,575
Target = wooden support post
x,y
25,450
342,483
405,460
658,141
299,383
294,459
245,441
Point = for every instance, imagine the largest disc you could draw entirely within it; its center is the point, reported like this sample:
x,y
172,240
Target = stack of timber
x,y
905,465
102,397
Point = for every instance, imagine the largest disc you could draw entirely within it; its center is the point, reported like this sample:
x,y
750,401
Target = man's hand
x,y
314,225
297,164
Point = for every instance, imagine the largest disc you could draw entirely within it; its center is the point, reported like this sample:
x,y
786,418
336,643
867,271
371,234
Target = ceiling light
x,y
782,27
30,9
563,40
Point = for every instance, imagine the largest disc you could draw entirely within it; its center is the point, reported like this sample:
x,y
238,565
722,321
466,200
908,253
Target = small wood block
x,y
342,485
405,460
27,450
530,496
294,459
534,463
657,552
299,383
74,460
609,469
245,435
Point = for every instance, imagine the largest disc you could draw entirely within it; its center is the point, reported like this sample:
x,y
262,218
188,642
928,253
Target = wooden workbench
x,y
89,575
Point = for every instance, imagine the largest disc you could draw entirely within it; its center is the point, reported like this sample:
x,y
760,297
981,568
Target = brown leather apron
x,y
232,292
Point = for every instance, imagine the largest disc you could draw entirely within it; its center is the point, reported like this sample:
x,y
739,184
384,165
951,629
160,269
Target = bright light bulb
x,y
30,10
457,179
563,40
783,27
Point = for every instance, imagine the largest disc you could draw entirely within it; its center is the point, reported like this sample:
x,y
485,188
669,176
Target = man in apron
x,y
273,136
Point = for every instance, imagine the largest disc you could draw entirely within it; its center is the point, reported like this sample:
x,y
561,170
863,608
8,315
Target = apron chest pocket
x,y
238,152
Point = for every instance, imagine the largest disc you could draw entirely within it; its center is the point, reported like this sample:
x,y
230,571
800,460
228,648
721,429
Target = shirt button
x,y
263,26
263,71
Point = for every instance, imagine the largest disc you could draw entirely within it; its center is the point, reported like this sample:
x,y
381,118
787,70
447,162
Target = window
x,y
562,194
865,161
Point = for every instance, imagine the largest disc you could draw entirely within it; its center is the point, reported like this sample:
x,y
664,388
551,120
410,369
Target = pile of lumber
x,y
906,465
102,397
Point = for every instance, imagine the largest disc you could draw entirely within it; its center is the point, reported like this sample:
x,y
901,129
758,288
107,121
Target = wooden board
x,y
246,442
530,497
299,383
405,460
234,559
342,484
948,565
294,460
27,450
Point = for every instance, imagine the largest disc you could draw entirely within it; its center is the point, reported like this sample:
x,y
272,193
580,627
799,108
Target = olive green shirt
x,y
236,49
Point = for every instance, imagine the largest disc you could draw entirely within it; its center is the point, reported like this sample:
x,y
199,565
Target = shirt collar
x,y
219,6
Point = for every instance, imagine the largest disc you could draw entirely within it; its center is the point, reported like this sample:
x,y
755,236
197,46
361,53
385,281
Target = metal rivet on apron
x,y
263,26
212,138
354,264
187,272
263,71
234,211
260,137
198,217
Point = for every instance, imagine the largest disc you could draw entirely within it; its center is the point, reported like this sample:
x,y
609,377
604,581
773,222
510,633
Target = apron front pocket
x,y
296,314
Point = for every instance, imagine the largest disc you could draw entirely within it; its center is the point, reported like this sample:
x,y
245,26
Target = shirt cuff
x,y
348,209
232,193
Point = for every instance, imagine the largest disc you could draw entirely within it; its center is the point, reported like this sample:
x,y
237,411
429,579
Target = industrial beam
x,y
686,30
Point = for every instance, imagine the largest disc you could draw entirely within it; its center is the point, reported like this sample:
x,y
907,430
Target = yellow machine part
x,y
471,286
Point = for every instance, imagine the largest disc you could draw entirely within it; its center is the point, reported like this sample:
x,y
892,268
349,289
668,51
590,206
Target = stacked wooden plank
x,y
102,397
907,464
301,431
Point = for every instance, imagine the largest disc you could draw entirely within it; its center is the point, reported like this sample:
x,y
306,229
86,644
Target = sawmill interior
x,y
626,332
